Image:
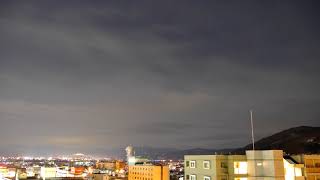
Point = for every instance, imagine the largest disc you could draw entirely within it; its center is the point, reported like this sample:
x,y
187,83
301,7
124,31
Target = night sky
x,y
88,76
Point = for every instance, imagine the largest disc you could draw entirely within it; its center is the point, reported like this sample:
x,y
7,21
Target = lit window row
x,y
142,168
143,178
142,173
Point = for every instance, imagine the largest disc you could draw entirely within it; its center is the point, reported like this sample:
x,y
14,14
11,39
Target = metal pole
x,y
252,134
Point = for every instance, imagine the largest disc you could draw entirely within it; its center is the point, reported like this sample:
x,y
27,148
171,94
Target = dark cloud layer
x,y
83,76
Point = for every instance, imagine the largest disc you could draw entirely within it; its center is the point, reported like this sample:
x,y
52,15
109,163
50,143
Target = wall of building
x,y
148,172
199,171
221,166
293,171
240,161
265,164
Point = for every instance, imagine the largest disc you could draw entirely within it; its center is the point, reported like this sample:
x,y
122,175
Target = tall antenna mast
x,y
252,134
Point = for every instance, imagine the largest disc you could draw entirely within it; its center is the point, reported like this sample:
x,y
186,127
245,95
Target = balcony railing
x,y
313,170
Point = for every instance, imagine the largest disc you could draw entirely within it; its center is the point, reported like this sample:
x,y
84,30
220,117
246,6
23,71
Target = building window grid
x,y
141,172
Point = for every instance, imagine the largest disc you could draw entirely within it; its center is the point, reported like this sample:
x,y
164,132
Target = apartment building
x,y
311,164
266,164
148,172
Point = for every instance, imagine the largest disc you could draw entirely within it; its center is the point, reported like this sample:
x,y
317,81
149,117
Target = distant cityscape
x,y
251,164
255,164
81,166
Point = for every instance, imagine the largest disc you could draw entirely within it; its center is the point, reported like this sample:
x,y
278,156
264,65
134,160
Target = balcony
x,y
312,170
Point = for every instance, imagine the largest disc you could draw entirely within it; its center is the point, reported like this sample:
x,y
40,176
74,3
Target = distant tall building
x,y
130,152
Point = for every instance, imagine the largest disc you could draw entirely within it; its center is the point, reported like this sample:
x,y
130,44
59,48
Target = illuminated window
x,y
193,177
206,178
192,164
240,167
206,164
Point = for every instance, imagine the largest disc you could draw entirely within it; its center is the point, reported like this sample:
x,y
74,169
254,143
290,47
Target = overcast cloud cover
x,y
90,76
